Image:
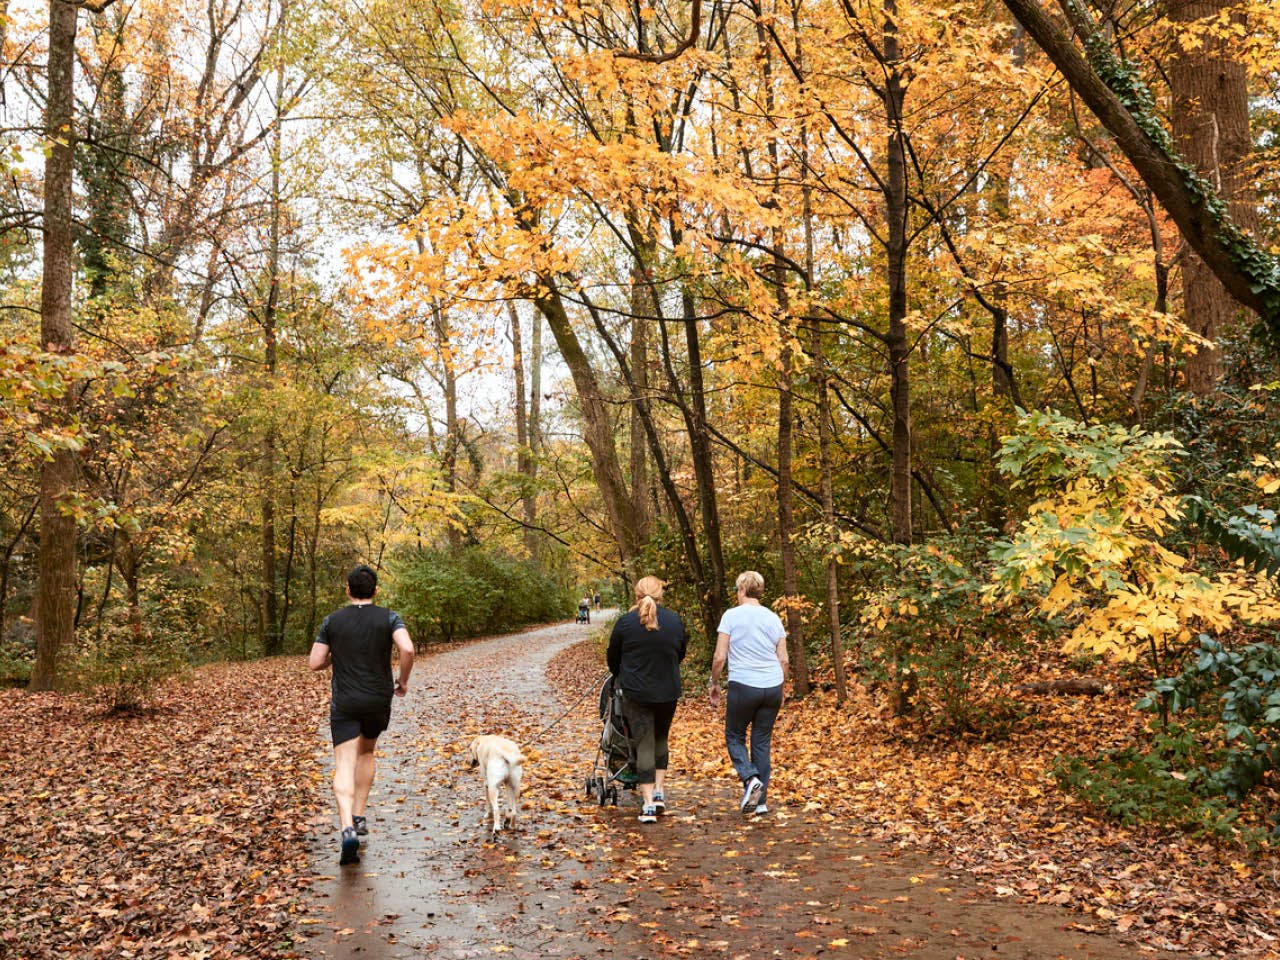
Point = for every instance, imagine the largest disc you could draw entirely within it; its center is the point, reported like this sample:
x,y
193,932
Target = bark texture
x,y
1210,113
56,577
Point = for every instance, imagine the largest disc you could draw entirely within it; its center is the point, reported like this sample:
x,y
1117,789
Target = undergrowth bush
x,y
16,661
926,630
1163,785
124,671
1238,691
451,594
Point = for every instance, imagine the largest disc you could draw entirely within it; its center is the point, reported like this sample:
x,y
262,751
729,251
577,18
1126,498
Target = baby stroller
x,y
614,763
584,614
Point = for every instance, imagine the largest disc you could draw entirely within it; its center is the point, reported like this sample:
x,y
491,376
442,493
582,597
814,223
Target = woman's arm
x,y
718,661
781,651
720,658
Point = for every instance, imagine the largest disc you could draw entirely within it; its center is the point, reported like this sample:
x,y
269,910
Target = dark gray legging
x,y
758,708
650,725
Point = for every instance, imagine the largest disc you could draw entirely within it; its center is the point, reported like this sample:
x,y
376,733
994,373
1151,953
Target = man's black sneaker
x,y
350,847
361,825
751,791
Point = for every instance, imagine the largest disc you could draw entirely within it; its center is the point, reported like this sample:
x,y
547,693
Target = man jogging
x,y
357,640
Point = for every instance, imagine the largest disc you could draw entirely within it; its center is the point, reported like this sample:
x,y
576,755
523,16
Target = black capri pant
x,y
650,725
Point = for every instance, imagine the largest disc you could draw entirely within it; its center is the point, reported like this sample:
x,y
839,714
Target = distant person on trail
x,y
596,599
357,641
645,649
584,610
753,643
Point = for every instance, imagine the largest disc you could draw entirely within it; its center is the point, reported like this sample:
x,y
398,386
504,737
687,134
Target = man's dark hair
x,y
362,582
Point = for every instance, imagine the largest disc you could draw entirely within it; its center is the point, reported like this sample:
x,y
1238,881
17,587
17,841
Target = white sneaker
x,y
659,803
761,808
751,791
648,814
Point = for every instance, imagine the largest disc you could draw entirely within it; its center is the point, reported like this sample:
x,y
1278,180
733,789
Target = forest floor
x,y
204,830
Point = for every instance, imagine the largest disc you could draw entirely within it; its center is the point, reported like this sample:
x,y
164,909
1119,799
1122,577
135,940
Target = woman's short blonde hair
x,y
750,583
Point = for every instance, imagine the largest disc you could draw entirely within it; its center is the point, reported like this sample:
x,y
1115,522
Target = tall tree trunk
x,y
787,497
641,311
271,638
453,430
895,196
524,455
821,378
597,426
1210,113
313,546
704,463
56,583
996,492
897,340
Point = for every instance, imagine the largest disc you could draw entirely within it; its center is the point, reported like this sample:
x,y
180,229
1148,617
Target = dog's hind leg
x,y
491,791
513,795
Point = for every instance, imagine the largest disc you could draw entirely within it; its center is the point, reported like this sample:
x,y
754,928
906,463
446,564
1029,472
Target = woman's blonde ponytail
x,y
648,592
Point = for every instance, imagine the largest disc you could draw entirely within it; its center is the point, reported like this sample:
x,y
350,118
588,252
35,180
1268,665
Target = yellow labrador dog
x,y
501,763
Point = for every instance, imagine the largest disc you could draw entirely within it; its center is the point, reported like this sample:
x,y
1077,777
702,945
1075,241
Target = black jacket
x,y
646,663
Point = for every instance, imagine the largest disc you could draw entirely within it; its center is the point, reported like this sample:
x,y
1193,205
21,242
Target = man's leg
x,y
345,760
364,772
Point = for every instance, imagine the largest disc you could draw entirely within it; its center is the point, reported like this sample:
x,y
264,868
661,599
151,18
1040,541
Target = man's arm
x,y
405,645
320,658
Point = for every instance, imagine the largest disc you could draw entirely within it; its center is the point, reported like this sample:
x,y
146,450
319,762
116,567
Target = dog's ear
x,y
475,759
474,763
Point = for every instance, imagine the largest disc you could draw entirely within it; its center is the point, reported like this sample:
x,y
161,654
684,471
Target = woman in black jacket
x,y
645,650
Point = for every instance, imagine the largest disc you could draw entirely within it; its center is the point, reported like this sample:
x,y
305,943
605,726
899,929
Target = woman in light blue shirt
x,y
753,643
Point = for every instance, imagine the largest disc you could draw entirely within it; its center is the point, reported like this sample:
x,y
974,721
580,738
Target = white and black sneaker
x,y
761,809
648,813
361,825
659,803
751,791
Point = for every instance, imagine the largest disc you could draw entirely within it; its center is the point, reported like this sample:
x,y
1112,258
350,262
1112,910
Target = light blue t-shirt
x,y
754,632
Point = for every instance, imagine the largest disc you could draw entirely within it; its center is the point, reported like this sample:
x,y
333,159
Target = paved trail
x,y
575,881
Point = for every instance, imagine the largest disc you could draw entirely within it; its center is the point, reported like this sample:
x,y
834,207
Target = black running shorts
x,y
347,724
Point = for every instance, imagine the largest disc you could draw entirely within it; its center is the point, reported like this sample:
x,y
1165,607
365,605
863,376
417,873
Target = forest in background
x,y
959,322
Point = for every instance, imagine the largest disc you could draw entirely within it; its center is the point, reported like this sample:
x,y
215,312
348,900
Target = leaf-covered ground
x,y
205,830
179,834
994,809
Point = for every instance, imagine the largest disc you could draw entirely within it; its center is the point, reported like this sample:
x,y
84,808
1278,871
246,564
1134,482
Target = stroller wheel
x,y
612,795
591,785
602,798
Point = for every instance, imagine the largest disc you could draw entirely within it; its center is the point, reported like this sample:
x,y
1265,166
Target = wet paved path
x,y
575,881
429,880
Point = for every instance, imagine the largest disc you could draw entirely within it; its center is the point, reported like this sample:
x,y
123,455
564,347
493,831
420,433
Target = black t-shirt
x,y
359,639
647,662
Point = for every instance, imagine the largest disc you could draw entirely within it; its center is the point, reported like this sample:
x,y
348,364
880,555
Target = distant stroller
x,y
584,611
615,760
